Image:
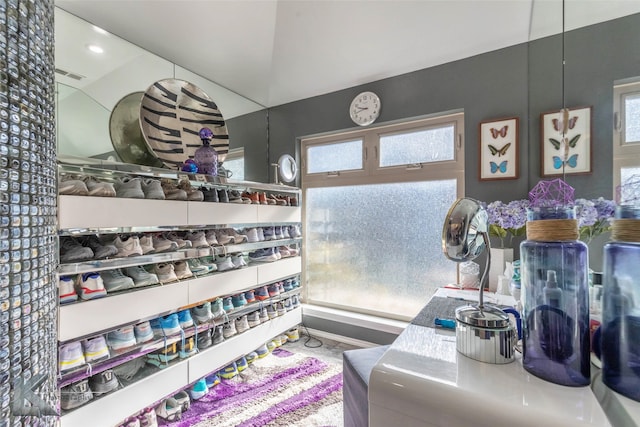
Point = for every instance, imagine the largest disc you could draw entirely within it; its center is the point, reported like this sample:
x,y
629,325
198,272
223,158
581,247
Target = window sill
x,y
355,319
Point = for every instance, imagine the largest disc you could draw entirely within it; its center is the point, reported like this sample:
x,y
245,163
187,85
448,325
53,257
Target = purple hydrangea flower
x,y
507,219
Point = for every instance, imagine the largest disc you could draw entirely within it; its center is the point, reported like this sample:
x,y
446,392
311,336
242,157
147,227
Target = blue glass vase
x,y
620,334
555,298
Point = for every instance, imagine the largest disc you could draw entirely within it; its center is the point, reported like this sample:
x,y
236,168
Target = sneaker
x,y
295,302
263,255
262,351
72,187
75,395
130,188
237,237
284,251
224,263
72,251
152,189
241,324
210,194
193,194
274,290
183,400
182,243
280,286
66,290
100,250
218,335
223,196
165,272
114,280
288,285
184,318
95,349
128,246
280,308
236,197
229,371
212,380
197,267
271,345
210,236
128,370
262,293
187,348
99,188
269,233
204,339
238,261
130,422
143,332
262,196
241,364
146,243
253,319
71,356
182,270
276,252
162,244
169,410
250,296
202,313
171,190
277,232
140,276
252,196
251,357
271,312
91,286
229,330
293,251
199,389
294,231
238,300
227,304
260,234
252,235
285,232
121,338
293,335
197,239
209,262
148,418
223,237
264,316
217,308
103,382
163,356
167,325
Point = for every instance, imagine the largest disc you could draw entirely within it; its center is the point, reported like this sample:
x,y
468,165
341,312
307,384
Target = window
x,y
374,202
234,162
626,132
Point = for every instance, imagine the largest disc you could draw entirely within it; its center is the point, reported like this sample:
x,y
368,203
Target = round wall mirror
x,y
287,168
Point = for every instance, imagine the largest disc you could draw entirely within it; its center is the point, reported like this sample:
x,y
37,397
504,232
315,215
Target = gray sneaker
x,y
75,395
152,189
129,188
71,186
218,335
229,330
224,263
72,251
99,188
162,244
197,239
114,280
242,325
202,313
140,276
100,250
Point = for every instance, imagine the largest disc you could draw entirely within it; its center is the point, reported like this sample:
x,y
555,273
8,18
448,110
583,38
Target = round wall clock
x,y
365,108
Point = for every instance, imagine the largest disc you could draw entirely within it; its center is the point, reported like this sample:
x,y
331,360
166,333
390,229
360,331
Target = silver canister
x,y
485,334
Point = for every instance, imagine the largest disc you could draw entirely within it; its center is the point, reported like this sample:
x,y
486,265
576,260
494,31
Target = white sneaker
x,y
182,243
197,239
140,276
212,240
169,409
252,235
66,291
129,246
161,244
242,325
91,286
165,272
146,243
238,261
260,234
182,270
224,263
237,237
223,237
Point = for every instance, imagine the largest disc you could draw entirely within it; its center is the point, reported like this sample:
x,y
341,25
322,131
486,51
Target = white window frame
x,y
625,154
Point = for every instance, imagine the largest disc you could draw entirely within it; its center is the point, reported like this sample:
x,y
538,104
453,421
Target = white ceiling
x,y
279,51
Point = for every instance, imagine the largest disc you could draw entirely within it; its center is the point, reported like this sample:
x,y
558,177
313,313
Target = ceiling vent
x,y
70,74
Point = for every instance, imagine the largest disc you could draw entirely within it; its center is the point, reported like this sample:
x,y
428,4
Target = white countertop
x,y
422,380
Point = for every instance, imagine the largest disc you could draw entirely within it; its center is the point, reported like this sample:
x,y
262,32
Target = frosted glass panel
x,y
626,173
377,247
632,118
335,157
424,146
236,166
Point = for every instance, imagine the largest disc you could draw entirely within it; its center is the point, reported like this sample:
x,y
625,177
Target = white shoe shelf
x,y
100,215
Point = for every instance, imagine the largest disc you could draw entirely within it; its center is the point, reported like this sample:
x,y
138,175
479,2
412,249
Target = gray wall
x,y
523,81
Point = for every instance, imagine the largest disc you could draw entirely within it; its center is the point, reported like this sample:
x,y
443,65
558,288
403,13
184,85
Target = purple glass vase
x,y
555,300
206,157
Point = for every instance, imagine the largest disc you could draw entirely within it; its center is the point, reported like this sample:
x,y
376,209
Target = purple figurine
x,y
206,157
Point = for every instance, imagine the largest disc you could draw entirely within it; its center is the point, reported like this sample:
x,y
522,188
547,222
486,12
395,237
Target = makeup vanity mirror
x,y
95,70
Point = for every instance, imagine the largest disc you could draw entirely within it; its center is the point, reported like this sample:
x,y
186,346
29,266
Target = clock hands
x,y
361,108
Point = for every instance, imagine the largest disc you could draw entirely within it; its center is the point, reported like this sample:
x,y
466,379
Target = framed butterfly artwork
x,y
499,149
565,142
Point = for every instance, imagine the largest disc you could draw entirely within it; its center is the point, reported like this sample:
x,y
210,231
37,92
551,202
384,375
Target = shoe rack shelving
x,y
79,215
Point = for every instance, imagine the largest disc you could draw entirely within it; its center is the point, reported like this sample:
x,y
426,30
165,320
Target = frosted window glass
x,y
378,247
626,173
632,118
424,146
335,157
236,166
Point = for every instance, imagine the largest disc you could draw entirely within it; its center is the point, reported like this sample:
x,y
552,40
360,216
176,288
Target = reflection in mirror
x,y
90,84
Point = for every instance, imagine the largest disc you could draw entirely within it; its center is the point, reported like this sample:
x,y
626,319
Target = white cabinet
x,y
79,215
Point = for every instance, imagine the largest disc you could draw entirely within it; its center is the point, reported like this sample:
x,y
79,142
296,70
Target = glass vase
x,y
620,334
555,298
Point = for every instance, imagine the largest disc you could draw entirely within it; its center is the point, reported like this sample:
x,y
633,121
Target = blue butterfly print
x,y
571,161
502,167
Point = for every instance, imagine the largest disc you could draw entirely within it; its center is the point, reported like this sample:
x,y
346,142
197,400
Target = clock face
x,y
365,108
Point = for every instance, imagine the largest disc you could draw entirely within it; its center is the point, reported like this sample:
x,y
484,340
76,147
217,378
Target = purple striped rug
x,y
282,389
